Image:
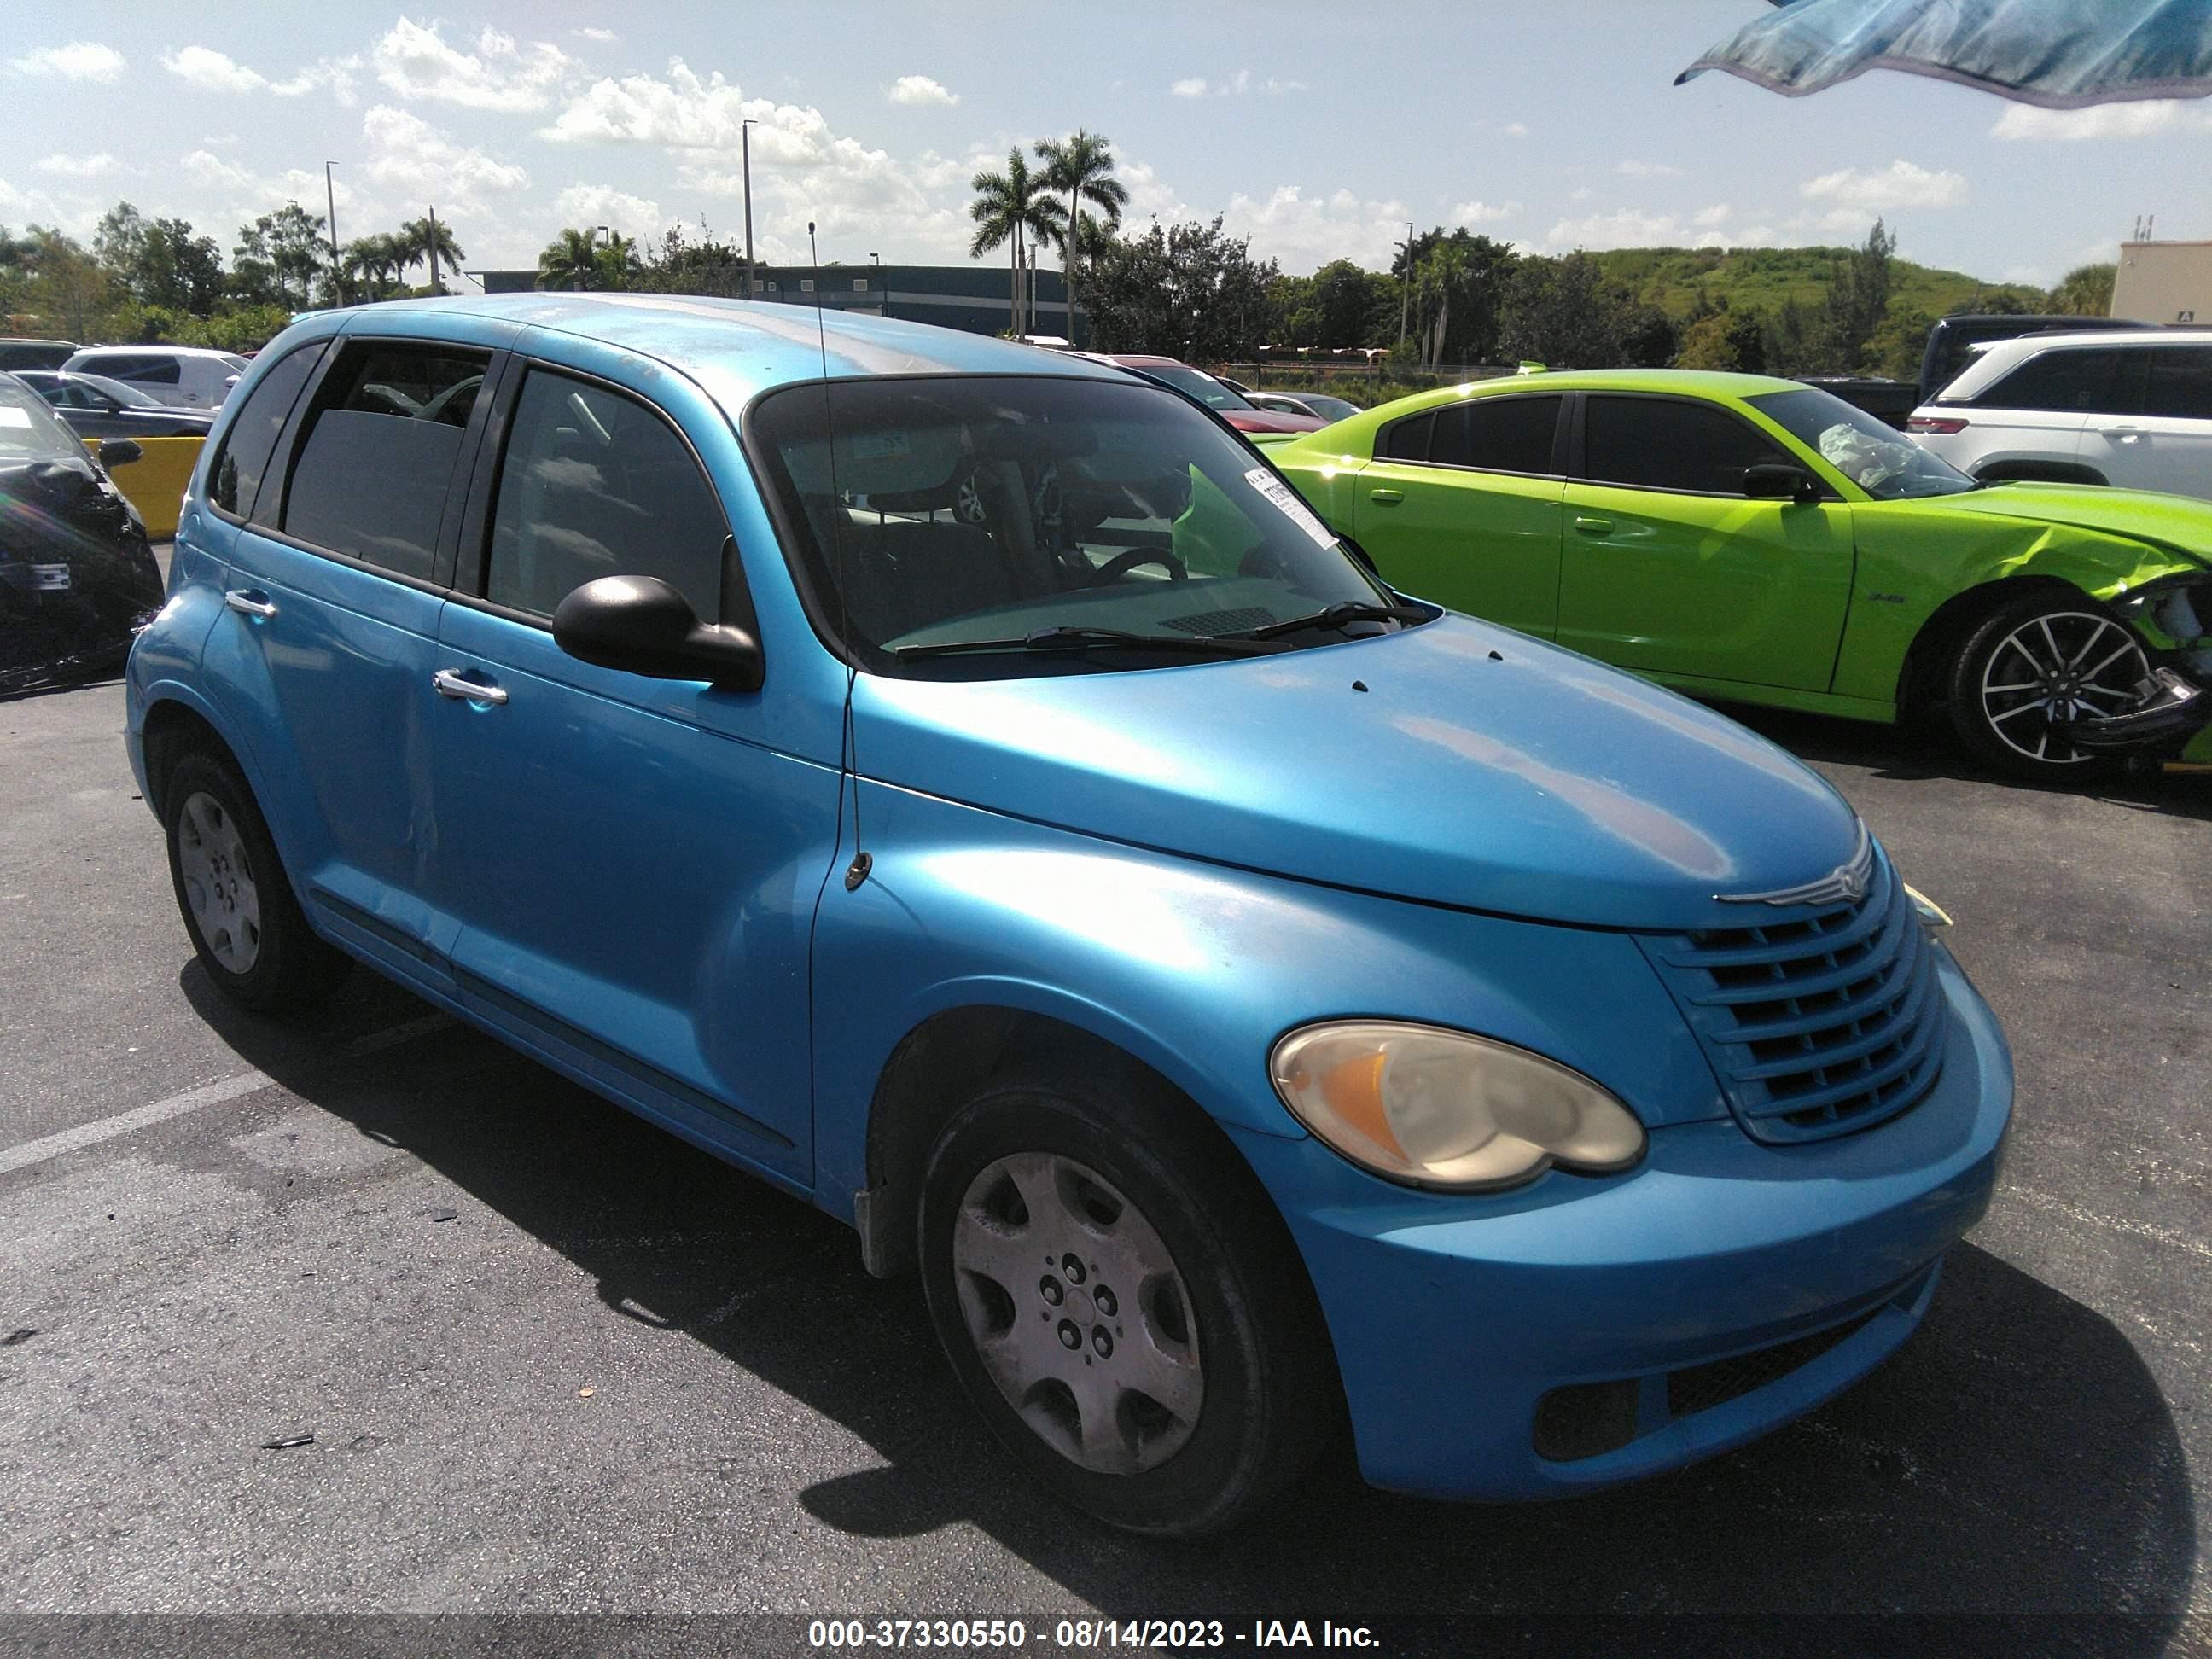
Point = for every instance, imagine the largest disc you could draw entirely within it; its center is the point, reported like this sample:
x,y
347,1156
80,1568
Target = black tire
x,y
2003,729
1271,1401
291,968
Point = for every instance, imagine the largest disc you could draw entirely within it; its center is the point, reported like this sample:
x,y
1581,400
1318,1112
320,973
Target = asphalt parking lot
x,y
553,1360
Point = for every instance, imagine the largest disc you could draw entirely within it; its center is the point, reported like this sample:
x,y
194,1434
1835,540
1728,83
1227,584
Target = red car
x,y
1224,400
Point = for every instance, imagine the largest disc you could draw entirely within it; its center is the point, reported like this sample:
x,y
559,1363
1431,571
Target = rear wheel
x,y
2046,658
252,938
1123,1304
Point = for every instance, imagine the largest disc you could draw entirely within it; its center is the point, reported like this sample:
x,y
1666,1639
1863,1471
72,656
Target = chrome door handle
x,y
452,682
251,601
1595,526
1386,497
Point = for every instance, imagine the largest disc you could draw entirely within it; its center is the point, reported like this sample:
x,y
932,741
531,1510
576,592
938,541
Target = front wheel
x,y
1122,1303
2042,659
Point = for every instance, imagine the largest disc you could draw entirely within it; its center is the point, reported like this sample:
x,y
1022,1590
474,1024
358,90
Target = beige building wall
x,y
2165,282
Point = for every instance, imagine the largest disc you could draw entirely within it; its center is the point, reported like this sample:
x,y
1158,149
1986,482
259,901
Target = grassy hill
x,y
1760,279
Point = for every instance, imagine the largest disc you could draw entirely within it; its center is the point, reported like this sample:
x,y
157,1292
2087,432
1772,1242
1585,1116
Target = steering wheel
x,y
1122,563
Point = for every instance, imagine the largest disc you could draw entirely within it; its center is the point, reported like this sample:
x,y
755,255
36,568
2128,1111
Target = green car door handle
x,y
1595,526
1386,497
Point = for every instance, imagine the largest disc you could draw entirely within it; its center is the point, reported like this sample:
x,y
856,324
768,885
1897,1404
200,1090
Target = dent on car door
x,y
1670,569
639,864
1462,506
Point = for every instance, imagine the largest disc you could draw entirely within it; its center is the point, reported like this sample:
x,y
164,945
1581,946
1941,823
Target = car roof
x,y
2103,339
1682,382
736,348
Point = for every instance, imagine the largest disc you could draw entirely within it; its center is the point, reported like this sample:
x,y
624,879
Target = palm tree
x,y
1009,209
1084,167
570,261
618,261
418,237
372,264
1447,268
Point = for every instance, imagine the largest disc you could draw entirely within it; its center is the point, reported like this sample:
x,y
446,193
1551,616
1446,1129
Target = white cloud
x,y
214,71
1582,193
1275,88
682,111
1303,233
1710,218
1648,170
420,163
1514,130
1193,87
1901,185
81,167
920,89
1482,213
80,60
603,204
2130,120
601,36
1635,227
415,61
1236,86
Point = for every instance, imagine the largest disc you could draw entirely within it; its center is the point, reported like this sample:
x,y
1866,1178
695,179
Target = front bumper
x,y
1454,1319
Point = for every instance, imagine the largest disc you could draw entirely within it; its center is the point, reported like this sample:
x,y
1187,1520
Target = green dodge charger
x,y
1743,538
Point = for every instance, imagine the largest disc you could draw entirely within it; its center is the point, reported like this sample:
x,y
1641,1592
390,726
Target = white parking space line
x,y
192,1100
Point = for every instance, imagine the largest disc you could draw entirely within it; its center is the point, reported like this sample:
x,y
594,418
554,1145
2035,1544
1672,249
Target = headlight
x,y
1433,1108
1932,916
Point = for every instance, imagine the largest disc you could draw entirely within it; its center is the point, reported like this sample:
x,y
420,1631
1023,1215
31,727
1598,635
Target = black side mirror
x,y
120,452
1780,481
644,626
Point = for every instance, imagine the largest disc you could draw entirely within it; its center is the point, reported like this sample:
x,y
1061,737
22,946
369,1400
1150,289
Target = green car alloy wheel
x,y
1759,540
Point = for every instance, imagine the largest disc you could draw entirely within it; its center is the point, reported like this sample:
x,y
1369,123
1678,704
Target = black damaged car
x,y
77,577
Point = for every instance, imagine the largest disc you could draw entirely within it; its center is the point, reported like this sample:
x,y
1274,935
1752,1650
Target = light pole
x,y
331,199
746,149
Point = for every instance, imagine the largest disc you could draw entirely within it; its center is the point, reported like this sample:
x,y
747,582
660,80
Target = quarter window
x,y
371,483
254,431
1665,443
597,485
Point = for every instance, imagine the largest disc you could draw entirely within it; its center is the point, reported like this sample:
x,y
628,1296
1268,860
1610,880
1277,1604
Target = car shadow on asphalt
x,y
2016,1456
1911,753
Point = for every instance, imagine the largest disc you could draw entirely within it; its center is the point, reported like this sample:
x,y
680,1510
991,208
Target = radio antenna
x,y
857,871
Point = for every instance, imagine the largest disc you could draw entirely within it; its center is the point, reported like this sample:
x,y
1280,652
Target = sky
x,y
1316,130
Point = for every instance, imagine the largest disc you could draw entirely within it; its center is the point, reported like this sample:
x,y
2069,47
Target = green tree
x,y
1898,344
617,260
1564,312
67,289
1794,341
373,265
678,264
1012,209
1188,290
1725,339
570,261
1469,301
424,237
278,257
2085,291
159,263
1857,299
1082,168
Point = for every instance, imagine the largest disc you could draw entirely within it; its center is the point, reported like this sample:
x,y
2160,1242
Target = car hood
x,y
2176,524
1453,762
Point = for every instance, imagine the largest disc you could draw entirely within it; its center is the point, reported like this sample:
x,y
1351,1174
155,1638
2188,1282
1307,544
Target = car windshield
x,y
1196,383
1879,460
122,393
28,430
1022,525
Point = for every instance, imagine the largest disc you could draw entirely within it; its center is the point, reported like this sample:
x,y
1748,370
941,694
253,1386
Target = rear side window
x,y
137,370
371,481
252,435
1407,440
2073,382
1499,435
597,485
1665,443
2181,383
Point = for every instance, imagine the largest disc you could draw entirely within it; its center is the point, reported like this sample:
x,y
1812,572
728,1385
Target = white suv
x,y
189,377
2131,409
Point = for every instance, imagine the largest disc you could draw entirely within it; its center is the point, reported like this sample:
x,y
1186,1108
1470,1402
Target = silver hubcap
x,y
2070,665
219,881
1079,1313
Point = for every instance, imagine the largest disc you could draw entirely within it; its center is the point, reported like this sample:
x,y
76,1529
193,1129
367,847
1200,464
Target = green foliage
x,y
680,265
2084,291
1081,169
277,258
1189,291
1567,313
1857,301
1013,210
159,263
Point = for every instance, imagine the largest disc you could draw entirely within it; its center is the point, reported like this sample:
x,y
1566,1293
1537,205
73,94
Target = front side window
x,y
1878,458
597,484
1010,524
1669,443
236,477
371,481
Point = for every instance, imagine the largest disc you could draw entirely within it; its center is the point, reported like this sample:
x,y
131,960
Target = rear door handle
x,y
1386,497
250,601
452,682
1595,526
2124,433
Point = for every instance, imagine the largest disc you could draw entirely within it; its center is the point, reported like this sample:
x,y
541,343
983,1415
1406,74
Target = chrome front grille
x,y
1817,1026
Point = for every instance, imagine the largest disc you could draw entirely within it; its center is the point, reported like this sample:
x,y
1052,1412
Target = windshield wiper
x,y
1093,638
1350,610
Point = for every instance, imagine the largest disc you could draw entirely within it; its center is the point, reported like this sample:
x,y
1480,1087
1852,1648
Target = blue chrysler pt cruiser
x,y
966,786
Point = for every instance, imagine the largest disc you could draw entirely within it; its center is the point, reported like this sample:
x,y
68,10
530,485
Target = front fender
x,y
1194,970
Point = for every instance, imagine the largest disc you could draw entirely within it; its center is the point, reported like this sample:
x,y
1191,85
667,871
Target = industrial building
x,y
2164,282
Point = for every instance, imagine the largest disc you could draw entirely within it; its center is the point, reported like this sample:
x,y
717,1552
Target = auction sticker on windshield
x,y
1290,507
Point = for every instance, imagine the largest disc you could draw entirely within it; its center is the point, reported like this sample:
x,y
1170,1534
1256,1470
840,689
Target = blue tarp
x,y
2062,54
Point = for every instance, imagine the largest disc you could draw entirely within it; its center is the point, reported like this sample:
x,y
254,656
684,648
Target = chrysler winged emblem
x,y
1844,884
